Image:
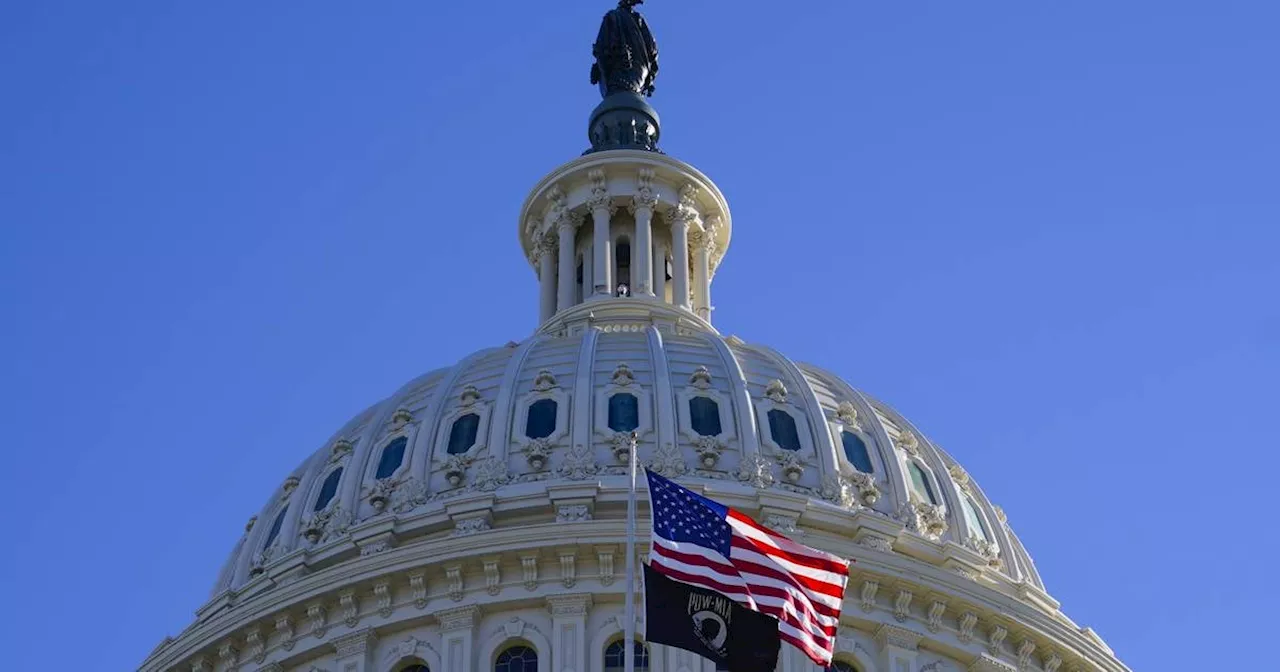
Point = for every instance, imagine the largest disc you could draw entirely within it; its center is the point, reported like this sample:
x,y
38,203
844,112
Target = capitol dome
x,y
475,519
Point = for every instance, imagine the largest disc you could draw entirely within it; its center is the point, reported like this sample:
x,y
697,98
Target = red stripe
x,y
817,559
800,582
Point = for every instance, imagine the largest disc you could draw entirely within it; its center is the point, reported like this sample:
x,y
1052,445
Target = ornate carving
x,y
409,647
902,638
350,605
1051,663
257,645
355,643
646,196
572,513
374,547
250,523
455,469
782,523
229,655
847,414
380,493
201,664
458,618
544,381
622,443
453,574
967,620
928,519
838,490
902,605
776,391
568,605
568,567
284,626
668,461
537,453
382,598
908,443
986,663
401,417
936,610
1026,647
490,474
960,476
492,577
987,549
756,471
622,376
469,526
965,572
700,378
687,208
529,567
868,595
411,494
709,449
579,464
868,493
341,448
876,543
325,525
418,589
470,395
604,557
1000,515
317,618
599,190
995,638
792,466
288,486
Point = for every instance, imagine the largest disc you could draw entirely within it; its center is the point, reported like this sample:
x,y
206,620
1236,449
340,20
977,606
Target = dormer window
x,y
463,434
704,416
782,427
392,458
624,412
855,451
971,516
275,527
328,489
920,483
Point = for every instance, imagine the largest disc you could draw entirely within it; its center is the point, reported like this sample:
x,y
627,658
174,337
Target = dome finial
x,y
625,68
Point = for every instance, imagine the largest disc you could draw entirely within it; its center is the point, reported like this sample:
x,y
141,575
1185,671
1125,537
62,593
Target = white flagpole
x,y
630,609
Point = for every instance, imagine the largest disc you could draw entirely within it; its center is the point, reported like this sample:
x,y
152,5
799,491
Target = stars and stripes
x,y
704,543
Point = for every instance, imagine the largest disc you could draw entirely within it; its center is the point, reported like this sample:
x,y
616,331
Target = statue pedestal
x,y
623,120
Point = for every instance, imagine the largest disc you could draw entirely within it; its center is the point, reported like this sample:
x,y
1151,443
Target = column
x,y
588,281
701,242
680,262
569,631
642,205
659,271
355,650
898,648
546,278
567,267
600,204
457,633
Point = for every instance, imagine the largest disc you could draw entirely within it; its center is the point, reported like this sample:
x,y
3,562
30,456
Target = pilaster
x,y
642,204
898,648
457,638
569,630
354,651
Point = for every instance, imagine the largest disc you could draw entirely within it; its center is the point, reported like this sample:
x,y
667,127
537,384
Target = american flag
x,y
705,543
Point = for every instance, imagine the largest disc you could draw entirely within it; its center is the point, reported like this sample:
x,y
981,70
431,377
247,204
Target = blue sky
x,y
1045,231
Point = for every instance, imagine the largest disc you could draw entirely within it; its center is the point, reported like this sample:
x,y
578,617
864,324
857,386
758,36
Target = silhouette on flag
x,y
704,543
708,624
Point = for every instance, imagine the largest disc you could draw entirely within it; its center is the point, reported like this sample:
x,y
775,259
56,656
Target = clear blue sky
x,y
1045,231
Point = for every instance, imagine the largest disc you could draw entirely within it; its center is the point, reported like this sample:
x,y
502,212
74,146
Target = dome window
x,y
463,434
920,483
704,416
624,412
392,458
973,518
517,659
855,450
275,527
542,419
615,656
328,490
782,427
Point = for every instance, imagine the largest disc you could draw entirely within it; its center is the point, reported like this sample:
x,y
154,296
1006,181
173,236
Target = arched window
x,y
624,412
782,427
328,490
416,668
973,518
463,434
615,656
542,419
920,483
841,666
392,456
704,416
275,527
856,452
517,659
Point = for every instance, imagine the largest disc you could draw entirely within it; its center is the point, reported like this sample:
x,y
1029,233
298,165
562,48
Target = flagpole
x,y
630,609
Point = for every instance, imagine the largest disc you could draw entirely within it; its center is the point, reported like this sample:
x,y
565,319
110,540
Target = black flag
x,y
708,624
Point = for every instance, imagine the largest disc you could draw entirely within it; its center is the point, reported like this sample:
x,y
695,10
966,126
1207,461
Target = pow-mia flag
x,y
709,624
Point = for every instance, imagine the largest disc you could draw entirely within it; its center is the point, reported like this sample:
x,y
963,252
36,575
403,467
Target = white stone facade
x,y
513,539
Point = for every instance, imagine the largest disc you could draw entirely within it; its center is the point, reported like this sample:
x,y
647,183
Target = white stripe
x,y
830,601
780,542
825,576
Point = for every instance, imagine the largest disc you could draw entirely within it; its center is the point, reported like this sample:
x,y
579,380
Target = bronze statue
x,y
626,55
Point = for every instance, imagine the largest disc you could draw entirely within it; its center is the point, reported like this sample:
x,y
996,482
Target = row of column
x,y
557,254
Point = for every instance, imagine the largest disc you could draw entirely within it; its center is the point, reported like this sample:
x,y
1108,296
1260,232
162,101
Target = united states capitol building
x,y
475,518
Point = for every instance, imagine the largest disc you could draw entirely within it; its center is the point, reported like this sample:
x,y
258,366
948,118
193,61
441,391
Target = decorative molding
x,y
876,543
902,638
776,391
907,442
201,664
284,626
936,610
924,518
902,605
967,620
355,643
418,589
317,618
492,575
868,594
645,196
792,464
569,605
331,523
573,513
288,486
709,449
782,523
350,605
757,471
604,556
700,378
458,618
847,414
986,663
453,574
568,567
995,638
1052,662
1026,647
382,598
537,452
669,462
470,526
256,645
229,655
599,190
529,569
579,464
409,647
